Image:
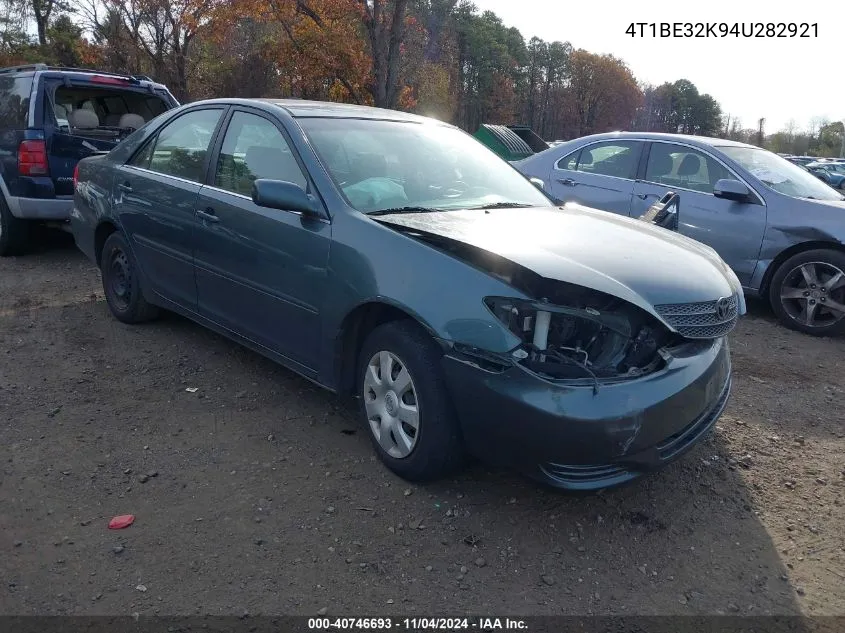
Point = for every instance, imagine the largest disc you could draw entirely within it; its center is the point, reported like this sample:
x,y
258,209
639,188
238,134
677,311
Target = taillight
x,y
116,81
75,176
32,158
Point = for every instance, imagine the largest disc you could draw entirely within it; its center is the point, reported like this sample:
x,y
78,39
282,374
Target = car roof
x,y
659,136
300,108
28,70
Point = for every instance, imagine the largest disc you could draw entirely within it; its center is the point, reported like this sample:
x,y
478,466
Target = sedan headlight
x,y
596,337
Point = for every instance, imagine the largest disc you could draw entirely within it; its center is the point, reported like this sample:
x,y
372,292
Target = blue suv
x,y
50,118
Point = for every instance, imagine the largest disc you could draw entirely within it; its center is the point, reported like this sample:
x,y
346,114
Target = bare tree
x,y
385,23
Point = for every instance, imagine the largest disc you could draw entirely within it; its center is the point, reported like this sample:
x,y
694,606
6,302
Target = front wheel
x,y
122,283
405,404
808,292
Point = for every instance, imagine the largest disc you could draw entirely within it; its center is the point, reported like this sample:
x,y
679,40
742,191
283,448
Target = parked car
x,y
780,229
830,173
802,160
397,259
49,119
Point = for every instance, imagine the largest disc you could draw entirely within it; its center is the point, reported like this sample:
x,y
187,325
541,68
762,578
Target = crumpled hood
x,y
628,258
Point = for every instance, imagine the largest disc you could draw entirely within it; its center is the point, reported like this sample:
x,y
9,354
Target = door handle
x,y
208,215
568,182
125,187
642,196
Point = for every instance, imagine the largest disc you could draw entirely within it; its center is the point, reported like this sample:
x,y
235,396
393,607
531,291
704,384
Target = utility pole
x,y
760,132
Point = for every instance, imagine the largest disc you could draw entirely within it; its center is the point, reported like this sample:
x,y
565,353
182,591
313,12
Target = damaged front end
x,y
583,335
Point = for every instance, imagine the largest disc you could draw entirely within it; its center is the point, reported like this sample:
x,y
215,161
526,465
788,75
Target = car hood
x,y
628,258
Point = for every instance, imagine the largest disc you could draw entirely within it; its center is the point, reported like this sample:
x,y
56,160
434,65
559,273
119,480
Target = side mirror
x,y
730,189
286,196
665,212
537,183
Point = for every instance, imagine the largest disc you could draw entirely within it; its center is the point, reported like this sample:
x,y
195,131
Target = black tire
x,y
15,234
438,449
122,283
824,263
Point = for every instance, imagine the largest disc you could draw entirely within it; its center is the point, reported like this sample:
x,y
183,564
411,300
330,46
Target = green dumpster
x,y
504,141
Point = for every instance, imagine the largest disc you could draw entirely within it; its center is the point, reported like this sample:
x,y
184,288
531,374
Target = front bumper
x,y
570,438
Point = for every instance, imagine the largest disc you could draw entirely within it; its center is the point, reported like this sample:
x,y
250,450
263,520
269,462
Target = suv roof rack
x,y
91,71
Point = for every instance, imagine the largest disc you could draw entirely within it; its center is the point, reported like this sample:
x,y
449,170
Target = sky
x,y
778,79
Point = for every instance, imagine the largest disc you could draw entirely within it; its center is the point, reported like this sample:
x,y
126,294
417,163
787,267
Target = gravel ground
x,y
259,493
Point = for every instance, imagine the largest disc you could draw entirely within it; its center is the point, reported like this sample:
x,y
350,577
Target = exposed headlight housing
x,y
597,337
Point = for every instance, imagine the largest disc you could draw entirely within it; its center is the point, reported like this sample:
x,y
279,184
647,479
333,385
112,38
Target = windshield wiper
x,y
502,205
404,210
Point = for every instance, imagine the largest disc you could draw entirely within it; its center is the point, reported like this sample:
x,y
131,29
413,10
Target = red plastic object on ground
x,y
122,521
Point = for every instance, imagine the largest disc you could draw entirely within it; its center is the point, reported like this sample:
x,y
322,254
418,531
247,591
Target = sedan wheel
x,y
406,404
810,292
391,403
121,283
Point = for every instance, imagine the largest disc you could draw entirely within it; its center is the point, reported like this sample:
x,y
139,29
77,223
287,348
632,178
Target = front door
x,y
733,229
155,198
260,272
599,175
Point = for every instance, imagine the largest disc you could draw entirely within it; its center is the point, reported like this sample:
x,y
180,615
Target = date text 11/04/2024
x,y
417,624
723,29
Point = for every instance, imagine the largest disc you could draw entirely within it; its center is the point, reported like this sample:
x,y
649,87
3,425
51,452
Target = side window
x,y
14,102
679,166
142,158
569,162
613,158
181,146
254,148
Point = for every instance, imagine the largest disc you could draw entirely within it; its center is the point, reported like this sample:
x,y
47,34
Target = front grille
x,y
700,320
587,476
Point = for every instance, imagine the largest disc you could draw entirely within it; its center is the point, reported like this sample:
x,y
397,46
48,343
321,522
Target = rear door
x,y
155,196
599,175
260,272
15,91
734,229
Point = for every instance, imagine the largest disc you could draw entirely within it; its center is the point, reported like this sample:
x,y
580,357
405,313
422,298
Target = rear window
x,y
14,101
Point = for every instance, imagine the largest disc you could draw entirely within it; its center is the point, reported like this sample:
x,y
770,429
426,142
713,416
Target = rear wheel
x,y
15,234
122,283
405,403
808,292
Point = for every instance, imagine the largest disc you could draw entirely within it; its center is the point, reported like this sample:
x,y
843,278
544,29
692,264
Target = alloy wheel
x,y
813,294
390,400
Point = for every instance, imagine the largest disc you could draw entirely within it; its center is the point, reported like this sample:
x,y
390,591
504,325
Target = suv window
x,y
14,102
679,166
611,158
254,148
180,148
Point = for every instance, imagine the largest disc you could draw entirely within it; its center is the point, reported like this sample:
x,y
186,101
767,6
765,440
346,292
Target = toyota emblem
x,y
723,308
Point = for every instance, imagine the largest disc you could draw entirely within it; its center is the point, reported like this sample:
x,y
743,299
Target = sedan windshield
x,y
781,175
381,166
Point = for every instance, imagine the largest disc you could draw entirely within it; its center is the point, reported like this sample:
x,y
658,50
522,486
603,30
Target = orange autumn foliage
x,y
317,47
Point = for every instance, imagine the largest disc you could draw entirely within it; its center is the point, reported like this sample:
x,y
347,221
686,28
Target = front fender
x,y
371,263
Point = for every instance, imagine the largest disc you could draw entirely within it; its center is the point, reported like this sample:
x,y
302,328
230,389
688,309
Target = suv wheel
x,y
405,404
121,283
808,292
14,232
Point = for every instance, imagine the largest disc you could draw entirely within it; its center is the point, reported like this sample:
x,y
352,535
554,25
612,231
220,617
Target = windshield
x,y
381,165
781,175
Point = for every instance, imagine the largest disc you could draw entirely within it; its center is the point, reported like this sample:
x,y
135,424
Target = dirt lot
x,y
258,493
